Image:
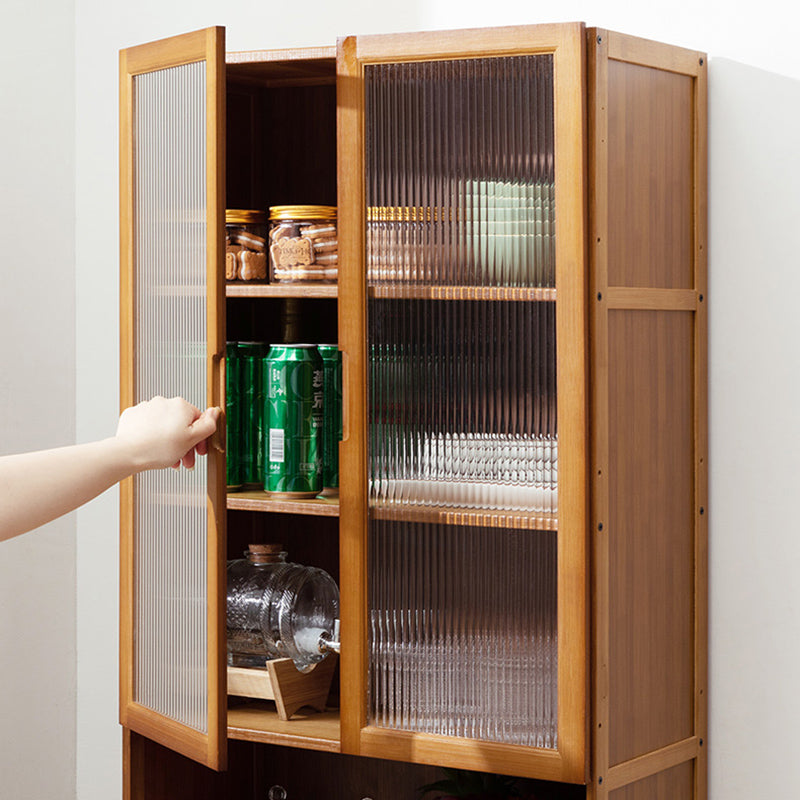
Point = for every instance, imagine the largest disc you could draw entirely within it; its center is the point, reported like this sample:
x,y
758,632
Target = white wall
x,y
37,394
754,127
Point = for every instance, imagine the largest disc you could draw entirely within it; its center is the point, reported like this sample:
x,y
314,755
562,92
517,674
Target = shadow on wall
x,y
754,204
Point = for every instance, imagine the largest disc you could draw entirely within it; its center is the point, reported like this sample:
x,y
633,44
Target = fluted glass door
x,y
463,429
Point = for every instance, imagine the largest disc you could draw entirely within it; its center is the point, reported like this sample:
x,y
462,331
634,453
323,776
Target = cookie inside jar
x,y
245,245
303,244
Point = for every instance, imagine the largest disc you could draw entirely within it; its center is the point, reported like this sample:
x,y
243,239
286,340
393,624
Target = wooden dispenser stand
x,y
281,682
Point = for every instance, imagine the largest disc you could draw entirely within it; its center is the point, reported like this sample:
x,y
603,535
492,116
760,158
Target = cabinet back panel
x,y
651,530
650,177
281,146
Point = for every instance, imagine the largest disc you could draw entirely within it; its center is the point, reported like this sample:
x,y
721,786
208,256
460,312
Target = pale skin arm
x,y
36,488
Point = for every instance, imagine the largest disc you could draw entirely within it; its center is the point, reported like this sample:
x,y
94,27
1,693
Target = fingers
x,y
203,426
188,459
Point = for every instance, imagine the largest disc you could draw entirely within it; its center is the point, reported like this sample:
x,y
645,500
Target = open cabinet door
x,y
172,551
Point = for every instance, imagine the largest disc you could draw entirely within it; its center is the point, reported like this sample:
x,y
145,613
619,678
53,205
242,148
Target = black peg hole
x,y
600,526
701,62
600,779
701,298
599,295
702,511
600,39
701,743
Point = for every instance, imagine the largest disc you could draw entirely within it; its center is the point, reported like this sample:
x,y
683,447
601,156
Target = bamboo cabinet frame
x,y
631,330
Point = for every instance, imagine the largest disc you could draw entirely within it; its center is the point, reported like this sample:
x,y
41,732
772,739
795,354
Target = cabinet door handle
x,y
218,438
345,396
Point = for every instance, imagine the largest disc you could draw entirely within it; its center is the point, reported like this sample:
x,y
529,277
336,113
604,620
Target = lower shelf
x,y
259,722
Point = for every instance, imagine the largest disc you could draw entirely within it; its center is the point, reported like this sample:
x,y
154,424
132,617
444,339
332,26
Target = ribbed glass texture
x,y
463,404
460,172
463,398
463,638
170,629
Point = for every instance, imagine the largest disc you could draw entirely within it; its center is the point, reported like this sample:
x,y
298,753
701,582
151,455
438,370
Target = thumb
x,y
204,425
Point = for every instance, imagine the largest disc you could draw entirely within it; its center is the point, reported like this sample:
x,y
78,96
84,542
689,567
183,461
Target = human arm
x,y
36,488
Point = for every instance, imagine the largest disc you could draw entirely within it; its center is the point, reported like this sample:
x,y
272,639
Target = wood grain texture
x,y
444,515
647,53
299,290
464,292
259,722
672,784
468,43
650,528
597,151
701,421
215,350
308,66
650,177
652,763
468,754
646,724
261,501
352,343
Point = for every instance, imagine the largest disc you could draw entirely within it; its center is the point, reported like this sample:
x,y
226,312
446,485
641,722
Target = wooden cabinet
x,y
520,540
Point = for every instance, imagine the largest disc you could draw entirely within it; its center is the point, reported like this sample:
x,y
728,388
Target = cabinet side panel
x,y
650,177
672,784
651,530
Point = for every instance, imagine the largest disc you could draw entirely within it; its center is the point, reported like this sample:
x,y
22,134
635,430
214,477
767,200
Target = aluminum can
x,y
293,400
332,417
251,355
233,419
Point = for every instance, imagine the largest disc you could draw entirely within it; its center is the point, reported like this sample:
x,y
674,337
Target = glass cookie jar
x,y
303,243
276,609
245,245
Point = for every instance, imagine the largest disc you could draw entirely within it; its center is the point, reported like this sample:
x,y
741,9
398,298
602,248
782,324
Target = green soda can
x,y
332,417
251,355
293,397
233,419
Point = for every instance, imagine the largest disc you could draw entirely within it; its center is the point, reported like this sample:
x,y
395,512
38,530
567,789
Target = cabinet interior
x,y
281,150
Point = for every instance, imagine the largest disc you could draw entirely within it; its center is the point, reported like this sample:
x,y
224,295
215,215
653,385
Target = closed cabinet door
x,y
463,518
172,679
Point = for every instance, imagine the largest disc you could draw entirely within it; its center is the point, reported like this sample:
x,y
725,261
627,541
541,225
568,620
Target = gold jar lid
x,y
302,212
243,216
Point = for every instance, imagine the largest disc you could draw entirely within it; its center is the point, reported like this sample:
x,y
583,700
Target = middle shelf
x,y
257,500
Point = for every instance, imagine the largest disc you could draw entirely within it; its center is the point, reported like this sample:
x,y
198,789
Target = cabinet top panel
x,y
299,66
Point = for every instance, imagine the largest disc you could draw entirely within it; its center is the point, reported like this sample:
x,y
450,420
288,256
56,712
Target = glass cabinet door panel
x,y
172,526
460,172
462,398
463,632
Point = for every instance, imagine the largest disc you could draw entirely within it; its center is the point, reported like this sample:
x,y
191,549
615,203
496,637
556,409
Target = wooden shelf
x,y
414,292
257,500
447,515
259,722
309,290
